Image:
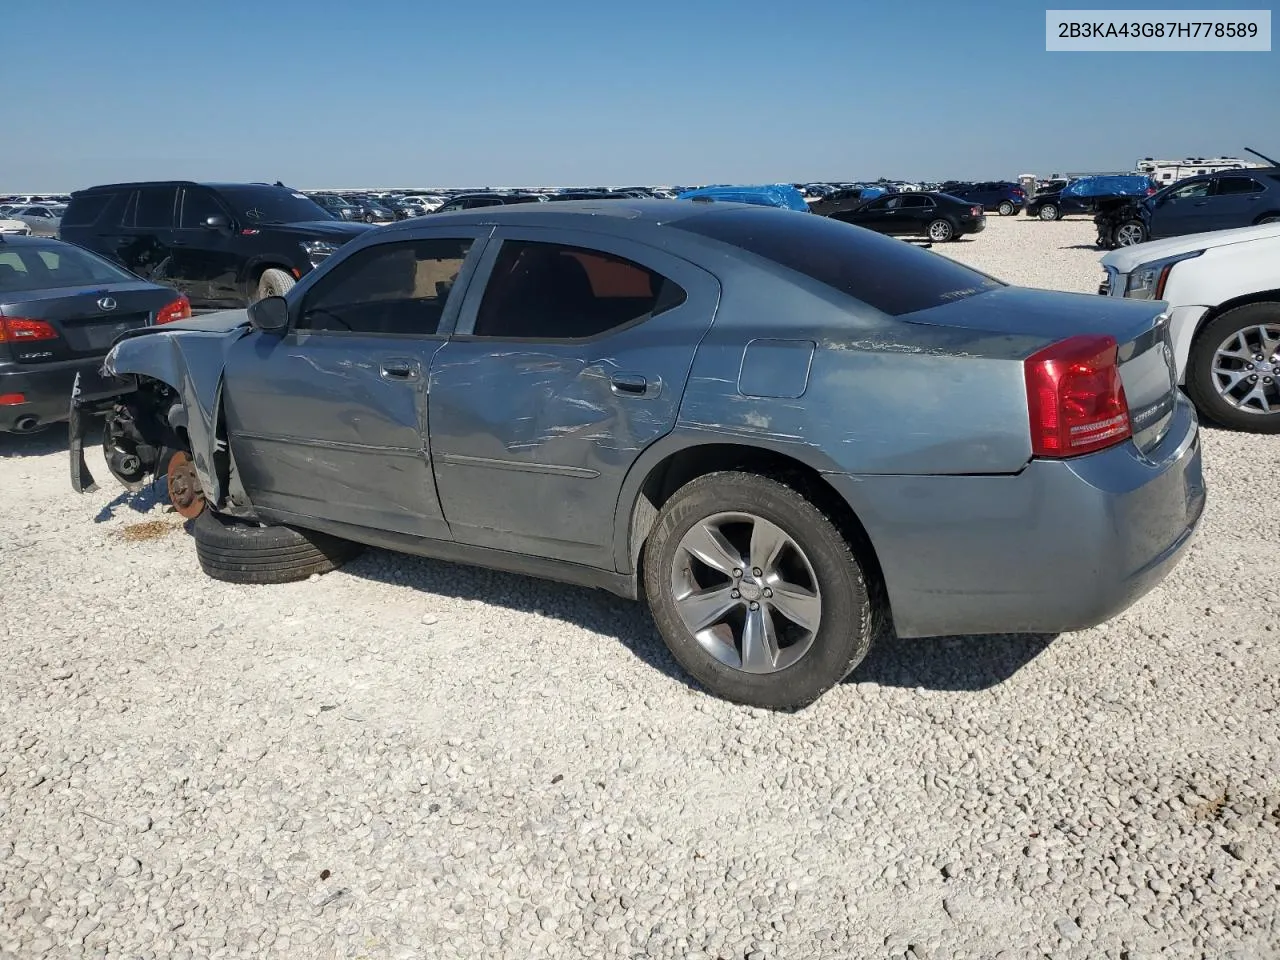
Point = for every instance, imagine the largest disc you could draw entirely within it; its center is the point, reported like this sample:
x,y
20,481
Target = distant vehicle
x,y
1222,291
1218,201
999,196
470,201
222,244
11,227
586,195
1083,195
1164,172
781,431
373,211
43,219
938,216
769,195
61,308
338,207
429,202
840,200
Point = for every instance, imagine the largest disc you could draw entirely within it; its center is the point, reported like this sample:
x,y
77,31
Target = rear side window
x,y
155,207
887,274
84,211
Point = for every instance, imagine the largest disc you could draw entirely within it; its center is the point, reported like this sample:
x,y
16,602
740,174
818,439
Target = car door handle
x,y
635,385
1201,203
398,368
177,243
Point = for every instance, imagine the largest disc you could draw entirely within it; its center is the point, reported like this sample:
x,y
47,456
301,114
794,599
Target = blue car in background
x,y
1089,195
769,195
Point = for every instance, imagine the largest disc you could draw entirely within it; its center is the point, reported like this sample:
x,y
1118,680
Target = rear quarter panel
x,y
881,396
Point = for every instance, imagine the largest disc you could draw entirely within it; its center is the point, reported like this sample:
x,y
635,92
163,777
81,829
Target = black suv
x,y
222,244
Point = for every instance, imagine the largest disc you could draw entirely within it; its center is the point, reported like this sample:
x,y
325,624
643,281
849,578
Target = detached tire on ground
x,y
238,552
274,283
757,594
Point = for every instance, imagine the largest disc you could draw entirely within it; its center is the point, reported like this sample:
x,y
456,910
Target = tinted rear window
x,y
83,211
29,267
891,275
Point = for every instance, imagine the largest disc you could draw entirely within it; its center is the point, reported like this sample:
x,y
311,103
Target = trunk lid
x,y
86,320
1033,319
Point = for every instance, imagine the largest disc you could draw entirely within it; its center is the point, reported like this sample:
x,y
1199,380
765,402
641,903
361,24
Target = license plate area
x,y
96,335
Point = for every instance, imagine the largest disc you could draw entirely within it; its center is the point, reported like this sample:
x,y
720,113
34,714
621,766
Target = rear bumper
x,y
1063,545
46,389
973,226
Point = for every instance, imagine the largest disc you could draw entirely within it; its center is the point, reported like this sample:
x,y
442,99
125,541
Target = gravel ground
x,y
410,759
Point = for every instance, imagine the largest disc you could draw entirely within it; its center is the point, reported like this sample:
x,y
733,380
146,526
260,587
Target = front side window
x,y
1192,190
552,291
197,207
392,288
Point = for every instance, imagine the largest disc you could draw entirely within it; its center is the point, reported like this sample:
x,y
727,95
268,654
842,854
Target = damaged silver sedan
x,y
780,430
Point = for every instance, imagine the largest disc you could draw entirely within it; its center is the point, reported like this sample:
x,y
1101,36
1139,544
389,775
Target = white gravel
x,y
410,759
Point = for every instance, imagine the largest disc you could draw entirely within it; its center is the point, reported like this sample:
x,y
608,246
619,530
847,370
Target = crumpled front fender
x,y
189,357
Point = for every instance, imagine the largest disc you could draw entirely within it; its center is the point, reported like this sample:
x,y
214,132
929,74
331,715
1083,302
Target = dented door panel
x,y
531,439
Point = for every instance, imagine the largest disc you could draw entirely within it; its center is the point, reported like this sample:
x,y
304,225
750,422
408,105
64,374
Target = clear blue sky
x,y
415,92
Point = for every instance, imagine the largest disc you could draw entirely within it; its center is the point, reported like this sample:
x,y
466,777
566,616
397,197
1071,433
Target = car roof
x,y
7,239
598,215
213,185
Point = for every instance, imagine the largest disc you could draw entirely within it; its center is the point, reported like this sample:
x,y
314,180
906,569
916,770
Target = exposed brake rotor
x,y
185,492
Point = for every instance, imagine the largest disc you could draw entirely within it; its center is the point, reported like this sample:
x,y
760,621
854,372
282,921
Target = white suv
x,y
1223,291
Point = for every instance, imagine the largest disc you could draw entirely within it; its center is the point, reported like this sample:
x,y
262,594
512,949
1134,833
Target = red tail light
x,y
976,211
12,399
19,330
1076,397
180,309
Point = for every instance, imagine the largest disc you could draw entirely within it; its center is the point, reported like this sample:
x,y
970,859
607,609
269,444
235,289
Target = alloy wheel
x,y
1246,369
1129,234
746,591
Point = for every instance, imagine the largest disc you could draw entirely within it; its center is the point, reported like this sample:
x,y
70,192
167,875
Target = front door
x,y
329,421
1181,210
570,358
204,263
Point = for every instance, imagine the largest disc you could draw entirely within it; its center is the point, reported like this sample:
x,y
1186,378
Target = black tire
x,y
1049,212
273,283
1006,209
848,621
238,552
1200,381
368,218
1267,218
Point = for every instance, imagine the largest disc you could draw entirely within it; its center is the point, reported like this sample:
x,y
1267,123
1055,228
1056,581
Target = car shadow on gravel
x,y
46,442
949,663
626,621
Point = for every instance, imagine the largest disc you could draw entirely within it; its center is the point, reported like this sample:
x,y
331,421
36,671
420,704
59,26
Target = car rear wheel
x,y
1233,373
234,551
1005,209
755,591
940,231
1131,233
274,283
1049,212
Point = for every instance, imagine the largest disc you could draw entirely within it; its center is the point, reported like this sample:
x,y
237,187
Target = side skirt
x,y
623,585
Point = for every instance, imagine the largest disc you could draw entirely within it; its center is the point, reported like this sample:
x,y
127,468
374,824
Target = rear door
x,y
205,263
570,358
144,242
916,212
1235,202
329,421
